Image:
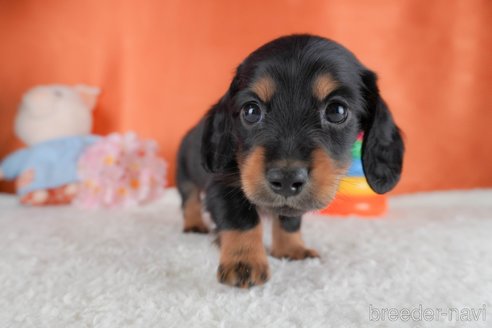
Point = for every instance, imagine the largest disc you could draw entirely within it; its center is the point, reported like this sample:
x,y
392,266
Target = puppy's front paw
x,y
243,259
295,253
243,274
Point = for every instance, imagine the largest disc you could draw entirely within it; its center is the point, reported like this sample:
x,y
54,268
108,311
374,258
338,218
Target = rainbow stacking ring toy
x,y
354,196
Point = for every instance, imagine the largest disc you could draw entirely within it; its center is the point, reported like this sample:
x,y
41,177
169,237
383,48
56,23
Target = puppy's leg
x,y
287,241
243,259
190,195
192,212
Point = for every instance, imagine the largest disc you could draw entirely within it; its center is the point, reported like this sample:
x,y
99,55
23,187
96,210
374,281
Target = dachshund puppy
x,y
278,142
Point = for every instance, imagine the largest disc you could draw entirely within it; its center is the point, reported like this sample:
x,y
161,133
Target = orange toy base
x,y
366,206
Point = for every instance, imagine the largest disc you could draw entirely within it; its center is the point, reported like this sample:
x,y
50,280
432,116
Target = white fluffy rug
x,y
62,267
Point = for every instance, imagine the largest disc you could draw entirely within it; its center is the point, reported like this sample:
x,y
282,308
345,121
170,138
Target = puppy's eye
x,y
251,113
336,112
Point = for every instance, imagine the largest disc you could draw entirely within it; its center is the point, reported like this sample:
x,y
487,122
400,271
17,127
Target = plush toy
x,y
54,121
64,163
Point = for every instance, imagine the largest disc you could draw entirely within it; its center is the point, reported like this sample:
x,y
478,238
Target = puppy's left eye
x,y
336,112
251,113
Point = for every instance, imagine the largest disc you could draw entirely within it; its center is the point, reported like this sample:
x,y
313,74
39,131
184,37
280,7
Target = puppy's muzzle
x,y
287,182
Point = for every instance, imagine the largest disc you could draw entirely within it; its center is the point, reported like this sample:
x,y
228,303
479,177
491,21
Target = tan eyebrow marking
x,y
264,87
323,85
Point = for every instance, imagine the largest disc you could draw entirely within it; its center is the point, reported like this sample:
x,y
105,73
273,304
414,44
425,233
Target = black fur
x,y
292,129
290,224
382,148
229,207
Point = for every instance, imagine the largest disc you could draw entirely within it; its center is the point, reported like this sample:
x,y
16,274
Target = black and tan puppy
x,y
278,142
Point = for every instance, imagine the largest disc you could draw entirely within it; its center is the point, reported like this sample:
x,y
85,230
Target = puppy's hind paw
x,y
196,229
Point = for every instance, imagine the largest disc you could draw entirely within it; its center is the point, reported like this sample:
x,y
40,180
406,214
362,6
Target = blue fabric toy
x,y
53,162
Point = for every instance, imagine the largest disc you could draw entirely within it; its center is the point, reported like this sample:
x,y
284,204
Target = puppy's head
x,y
289,119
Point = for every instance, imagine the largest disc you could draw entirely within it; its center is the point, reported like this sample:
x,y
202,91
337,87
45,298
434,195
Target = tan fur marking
x,y
264,88
289,244
243,260
325,176
193,221
323,85
252,171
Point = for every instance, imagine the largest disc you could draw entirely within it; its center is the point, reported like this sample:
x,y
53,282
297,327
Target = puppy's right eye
x,y
252,113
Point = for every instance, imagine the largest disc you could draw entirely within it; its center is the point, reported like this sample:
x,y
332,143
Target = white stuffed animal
x,y
55,122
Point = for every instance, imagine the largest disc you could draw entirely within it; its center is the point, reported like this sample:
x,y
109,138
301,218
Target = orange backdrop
x,y
161,64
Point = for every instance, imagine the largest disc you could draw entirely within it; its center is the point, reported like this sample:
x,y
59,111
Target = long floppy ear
x,y
218,139
382,147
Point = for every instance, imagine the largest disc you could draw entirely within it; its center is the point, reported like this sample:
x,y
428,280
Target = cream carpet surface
x,y
427,263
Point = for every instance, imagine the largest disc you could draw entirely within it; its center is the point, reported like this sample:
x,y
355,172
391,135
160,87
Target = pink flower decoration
x,y
120,170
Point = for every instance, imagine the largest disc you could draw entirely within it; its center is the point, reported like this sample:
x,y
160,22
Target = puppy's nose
x,y
287,181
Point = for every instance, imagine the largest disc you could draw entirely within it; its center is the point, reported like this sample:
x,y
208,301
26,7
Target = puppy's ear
x,y
218,139
382,147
